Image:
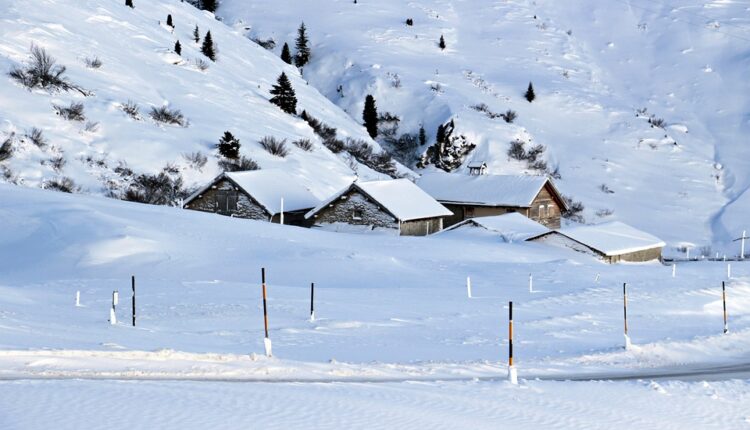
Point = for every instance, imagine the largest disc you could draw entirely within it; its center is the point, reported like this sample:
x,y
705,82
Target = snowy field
x,y
396,342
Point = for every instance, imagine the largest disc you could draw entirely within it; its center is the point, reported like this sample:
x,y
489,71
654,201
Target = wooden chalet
x,y
397,206
473,196
268,195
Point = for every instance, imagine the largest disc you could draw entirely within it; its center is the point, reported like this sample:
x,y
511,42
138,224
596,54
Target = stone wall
x,y
343,210
246,207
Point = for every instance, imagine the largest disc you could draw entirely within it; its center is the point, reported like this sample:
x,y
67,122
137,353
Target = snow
x,y
400,197
612,238
512,227
483,190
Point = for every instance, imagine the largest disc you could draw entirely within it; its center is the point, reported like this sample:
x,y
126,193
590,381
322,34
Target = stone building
x,y
396,206
612,242
473,196
268,195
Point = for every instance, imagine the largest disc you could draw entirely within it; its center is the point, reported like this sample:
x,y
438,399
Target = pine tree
x,y
178,48
129,3
229,146
303,48
169,20
530,95
370,116
196,34
209,5
283,95
422,136
286,56
208,48
441,44
440,135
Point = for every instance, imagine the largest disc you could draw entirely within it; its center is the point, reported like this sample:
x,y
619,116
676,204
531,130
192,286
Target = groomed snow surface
x,y
396,342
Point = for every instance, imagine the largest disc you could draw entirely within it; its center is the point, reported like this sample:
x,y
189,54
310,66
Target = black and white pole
x,y
113,309
625,314
512,372
724,301
132,285
312,301
281,214
266,340
468,286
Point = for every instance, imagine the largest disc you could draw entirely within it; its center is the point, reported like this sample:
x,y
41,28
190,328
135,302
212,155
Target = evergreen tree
x,y
422,136
370,116
229,146
441,44
208,48
530,95
178,48
209,5
129,3
196,34
283,95
169,20
440,135
303,48
286,56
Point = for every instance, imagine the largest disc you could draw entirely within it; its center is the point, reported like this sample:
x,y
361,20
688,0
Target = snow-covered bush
x,y
509,116
239,165
327,134
73,112
274,146
197,160
93,62
303,144
131,109
6,149
36,136
268,44
166,115
449,151
43,72
63,184
164,188
574,210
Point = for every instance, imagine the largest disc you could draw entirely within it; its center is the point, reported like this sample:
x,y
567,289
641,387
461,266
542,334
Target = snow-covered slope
x,y
593,65
135,47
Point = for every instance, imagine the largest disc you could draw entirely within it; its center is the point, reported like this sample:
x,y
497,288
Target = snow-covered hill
x,y
138,64
594,66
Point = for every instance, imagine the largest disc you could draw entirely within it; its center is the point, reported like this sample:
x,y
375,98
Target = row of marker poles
x,y
115,302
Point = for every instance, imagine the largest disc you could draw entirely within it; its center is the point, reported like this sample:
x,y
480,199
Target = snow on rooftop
x,y
269,186
613,238
512,227
400,197
485,190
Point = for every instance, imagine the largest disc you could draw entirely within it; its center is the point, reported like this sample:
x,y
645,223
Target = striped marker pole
x,y
266,340
724,299
625,313
312,301
512,373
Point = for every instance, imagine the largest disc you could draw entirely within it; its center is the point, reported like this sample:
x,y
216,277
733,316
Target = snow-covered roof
x,y
400,197
484,190
512,227
612,238
268,187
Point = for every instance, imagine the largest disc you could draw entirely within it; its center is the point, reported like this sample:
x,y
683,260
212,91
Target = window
x,y
357,214
226,202
541,211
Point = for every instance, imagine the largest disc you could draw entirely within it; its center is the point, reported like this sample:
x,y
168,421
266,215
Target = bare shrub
x,y
509,116
63,184
239,165
36,136
57,163
274,146
164,188
43,72
201,64
91,126
574,210
6,149
601,213
303,144
605,189
93,62
268,44
197,160
657,122
73,112
516,150
165,115
131,109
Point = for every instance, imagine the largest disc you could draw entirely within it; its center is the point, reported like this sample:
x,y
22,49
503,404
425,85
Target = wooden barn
x,y
259,194
473,196
612,242
396,206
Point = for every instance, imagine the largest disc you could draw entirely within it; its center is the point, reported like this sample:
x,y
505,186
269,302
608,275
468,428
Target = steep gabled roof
x,y
487,190
610,238
267,187
399,197
511,227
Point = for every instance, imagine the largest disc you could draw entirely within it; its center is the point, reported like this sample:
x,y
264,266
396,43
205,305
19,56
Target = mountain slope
x,y
594,66
135,47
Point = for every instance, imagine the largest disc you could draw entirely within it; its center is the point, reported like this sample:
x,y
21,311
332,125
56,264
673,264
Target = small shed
x,y
397,206
477,169
469,196
511,227
257,194
612,242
